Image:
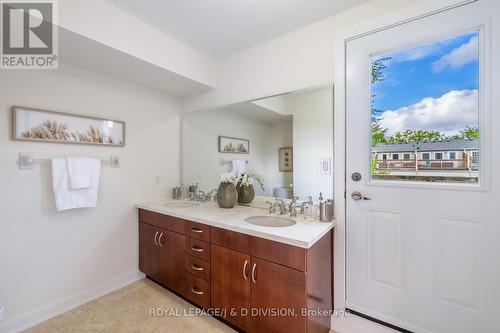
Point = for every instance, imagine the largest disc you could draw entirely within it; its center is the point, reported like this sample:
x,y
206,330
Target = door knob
x,y
358,196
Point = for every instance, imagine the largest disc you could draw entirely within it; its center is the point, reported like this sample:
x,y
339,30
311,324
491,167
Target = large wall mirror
x,y
286,139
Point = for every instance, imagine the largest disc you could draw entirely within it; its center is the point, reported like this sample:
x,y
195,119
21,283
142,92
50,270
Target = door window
x,y
427,98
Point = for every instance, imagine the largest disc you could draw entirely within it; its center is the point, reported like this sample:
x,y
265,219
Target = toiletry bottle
x,y
321,205
322,209
326,211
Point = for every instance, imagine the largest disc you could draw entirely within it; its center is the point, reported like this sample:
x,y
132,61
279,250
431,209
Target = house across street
x,y
440,158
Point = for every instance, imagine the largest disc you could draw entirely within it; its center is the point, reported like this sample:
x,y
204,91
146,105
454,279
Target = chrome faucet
x,y
308,203
272,209
202,196
280,204
212,195
292,207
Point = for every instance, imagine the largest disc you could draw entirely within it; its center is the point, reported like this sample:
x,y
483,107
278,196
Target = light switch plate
x,y
326,166
26,161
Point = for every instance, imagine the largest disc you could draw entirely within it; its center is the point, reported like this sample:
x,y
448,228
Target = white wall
x,y
201,159
312,140
300,59
47,256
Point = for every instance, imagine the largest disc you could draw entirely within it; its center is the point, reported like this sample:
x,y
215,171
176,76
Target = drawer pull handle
x,y
156,242
196,248
197,230
159,240
245,270
196,291
254,280
196,267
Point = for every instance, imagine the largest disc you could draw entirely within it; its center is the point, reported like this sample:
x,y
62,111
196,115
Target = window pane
x,y
425,108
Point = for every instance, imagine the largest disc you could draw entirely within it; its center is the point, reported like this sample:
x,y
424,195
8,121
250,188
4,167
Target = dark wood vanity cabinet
x,y
231,285
149,252
161,255
263,285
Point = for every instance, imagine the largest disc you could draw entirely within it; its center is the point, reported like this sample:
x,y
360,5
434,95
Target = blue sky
x,y
428,86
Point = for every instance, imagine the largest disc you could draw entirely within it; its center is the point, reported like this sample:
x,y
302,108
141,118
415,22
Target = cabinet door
x,y
172,260
230,285
277,288
149,250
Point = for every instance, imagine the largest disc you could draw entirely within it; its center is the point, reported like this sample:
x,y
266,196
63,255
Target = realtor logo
x,y
29,35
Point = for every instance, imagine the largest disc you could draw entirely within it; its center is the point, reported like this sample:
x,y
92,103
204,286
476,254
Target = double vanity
x,y
258,272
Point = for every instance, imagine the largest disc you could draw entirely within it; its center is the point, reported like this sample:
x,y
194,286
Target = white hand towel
x,y
79,172
65,197
239,166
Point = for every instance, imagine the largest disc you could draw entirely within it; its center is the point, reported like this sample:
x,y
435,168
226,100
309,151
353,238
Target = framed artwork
x,y
286,159
233,145
36,125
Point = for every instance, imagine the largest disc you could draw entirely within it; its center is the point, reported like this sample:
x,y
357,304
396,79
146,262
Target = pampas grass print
x,y
52,130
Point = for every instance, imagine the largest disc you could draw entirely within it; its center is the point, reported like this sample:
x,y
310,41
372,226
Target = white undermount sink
x,y
182,204
270,221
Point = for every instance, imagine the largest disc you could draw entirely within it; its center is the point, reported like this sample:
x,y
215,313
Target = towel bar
x,y
27,162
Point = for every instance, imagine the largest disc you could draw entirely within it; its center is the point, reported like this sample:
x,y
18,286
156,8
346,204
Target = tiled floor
x,y
127,310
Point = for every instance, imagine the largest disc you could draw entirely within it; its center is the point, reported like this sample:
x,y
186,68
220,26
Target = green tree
x,y
377,75
467,133
415,135
377,69
378,134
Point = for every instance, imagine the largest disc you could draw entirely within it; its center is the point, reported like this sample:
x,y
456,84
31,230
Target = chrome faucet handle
x,y
293,205
293,212
281,205
272,210
303,207
213,194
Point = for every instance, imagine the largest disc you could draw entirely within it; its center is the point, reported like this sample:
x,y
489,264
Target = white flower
x,y
229,178
249,178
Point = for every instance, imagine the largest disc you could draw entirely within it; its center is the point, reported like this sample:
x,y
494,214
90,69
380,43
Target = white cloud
x,y
417,53
447,114
458,57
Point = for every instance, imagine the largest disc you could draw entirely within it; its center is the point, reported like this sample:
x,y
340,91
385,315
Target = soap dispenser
x,y
325,209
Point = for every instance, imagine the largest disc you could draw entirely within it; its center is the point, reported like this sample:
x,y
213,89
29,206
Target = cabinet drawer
x,y
231,240
197,290
162,221
197,266
198,231
279,253
198,249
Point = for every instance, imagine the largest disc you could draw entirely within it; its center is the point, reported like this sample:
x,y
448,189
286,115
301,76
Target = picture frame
x,y
286,159
230,145
37,125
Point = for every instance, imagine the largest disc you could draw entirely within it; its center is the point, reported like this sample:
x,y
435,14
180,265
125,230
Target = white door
x,y
423,132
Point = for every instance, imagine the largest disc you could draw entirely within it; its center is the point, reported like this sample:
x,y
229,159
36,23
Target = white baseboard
x,y
51,310
356,324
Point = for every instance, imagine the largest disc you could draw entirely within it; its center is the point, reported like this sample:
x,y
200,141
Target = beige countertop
x,y
304,233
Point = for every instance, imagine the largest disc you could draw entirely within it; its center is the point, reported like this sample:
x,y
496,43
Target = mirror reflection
x,y
281,145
